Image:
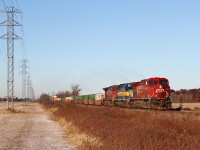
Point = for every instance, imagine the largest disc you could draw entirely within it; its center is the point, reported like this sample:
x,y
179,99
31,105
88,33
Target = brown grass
x,y
192,106
113,128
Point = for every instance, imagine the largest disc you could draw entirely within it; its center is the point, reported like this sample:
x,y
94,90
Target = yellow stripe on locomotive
x,y
126,94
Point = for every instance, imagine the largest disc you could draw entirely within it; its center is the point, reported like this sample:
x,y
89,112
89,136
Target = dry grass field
x,y
192,106
111,128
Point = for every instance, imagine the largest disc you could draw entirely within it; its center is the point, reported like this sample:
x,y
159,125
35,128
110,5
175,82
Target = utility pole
x,y
24,78
11,37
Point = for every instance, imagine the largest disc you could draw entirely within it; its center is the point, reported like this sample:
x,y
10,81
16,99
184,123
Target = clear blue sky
x,y
97,43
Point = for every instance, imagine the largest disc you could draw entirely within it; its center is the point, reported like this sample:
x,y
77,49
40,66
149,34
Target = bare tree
x,y
62,94
67,94
44,97
75,90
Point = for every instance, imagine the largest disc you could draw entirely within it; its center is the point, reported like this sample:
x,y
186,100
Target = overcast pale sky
x,y
97,43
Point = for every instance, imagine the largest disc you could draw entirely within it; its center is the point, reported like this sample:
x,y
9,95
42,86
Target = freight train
x,y
151,93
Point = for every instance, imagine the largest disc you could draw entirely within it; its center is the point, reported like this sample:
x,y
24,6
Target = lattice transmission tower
x,y
10,36
32,94
30,90
24,79
29,85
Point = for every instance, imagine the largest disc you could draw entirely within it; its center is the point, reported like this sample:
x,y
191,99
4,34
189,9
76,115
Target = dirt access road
x,y
32,129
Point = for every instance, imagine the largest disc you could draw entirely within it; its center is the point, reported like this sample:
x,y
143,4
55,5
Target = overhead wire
x,y
1,50
23,44
17,3
22,31
3,47
22,41
11,3
4,4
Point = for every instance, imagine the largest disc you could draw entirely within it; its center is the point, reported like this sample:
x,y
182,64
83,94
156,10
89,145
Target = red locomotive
x,y
152,93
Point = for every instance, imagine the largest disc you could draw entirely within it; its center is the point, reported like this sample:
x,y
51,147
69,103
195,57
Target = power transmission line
x,y
17,4
22,30
11,3
3,56
1,50
4,3
22,43
10,23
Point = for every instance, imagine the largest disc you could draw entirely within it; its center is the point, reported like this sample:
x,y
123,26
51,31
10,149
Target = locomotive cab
x,y
111,92
158,88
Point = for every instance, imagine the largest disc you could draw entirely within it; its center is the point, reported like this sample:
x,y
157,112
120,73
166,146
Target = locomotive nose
x,y
160,91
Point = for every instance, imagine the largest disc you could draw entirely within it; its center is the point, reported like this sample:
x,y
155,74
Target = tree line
x,y
74,91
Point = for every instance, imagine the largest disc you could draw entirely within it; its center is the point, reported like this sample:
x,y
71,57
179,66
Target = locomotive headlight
x,y
160,90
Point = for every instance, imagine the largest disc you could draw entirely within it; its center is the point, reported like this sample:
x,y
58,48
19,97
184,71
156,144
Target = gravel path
x,y
4,105
32,130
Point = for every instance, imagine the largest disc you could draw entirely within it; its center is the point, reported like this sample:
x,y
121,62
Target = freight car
x,y
90,99
152,93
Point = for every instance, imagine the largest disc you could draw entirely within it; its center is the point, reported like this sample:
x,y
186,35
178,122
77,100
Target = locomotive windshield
x,y
164,82
125,87
153,82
